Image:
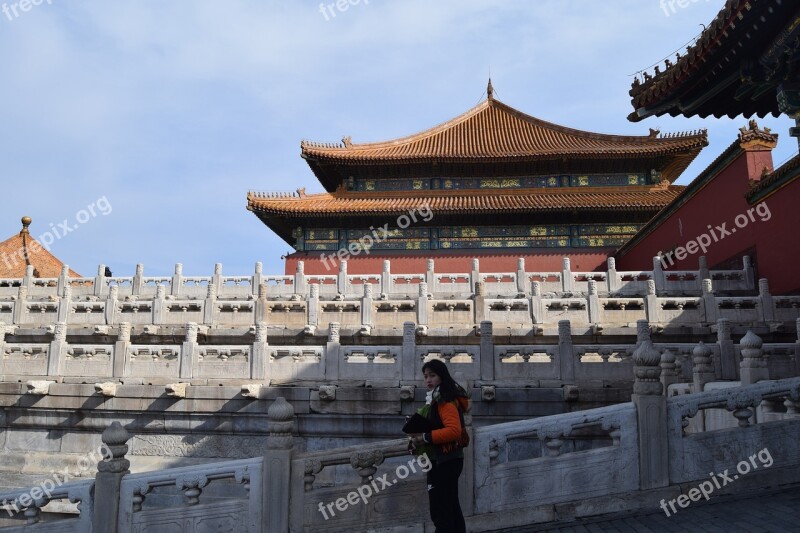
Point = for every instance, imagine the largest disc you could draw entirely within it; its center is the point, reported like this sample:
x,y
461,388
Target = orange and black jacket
x,y
445,420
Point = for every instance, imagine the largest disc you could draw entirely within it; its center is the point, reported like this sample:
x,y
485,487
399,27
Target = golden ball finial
x,y
26,221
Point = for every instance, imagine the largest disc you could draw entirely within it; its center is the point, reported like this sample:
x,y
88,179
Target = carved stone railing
x,y
22,509
227,495
555,459
691,446
542,357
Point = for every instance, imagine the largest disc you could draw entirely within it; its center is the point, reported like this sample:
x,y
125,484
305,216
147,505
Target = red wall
x,y
582,260
720,201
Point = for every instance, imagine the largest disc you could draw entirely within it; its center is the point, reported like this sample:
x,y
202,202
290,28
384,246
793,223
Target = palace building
x,y
493,183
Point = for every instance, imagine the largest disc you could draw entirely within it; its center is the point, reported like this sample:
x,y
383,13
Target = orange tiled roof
x,y
19,251
452,202
495,131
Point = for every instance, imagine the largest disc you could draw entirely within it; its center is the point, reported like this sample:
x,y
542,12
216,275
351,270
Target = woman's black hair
x,y
448,389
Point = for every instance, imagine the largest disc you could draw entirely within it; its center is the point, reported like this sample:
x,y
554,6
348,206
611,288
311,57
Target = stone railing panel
x,y
371,362
694,455
25,359
511,472
145,360
224,496
223,361
88,360
526,362
288,364
71,505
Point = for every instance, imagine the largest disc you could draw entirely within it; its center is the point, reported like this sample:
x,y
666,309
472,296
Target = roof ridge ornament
x,y
490,90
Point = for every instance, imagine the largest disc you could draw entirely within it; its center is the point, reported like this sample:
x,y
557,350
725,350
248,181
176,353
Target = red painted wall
x,y
582,260
771,229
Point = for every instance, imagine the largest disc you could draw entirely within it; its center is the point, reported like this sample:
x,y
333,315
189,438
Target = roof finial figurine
x,y
490,90
26,221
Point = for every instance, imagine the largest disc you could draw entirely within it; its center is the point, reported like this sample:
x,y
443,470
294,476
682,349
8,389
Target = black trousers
x,y
443,496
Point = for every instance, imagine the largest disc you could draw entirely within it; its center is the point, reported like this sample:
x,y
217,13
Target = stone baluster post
x,y
430,276
276,472
138,280
160,305
63,278
480,302
58,349
593,303
567,281
342,285
112,305
669,373
409,366
749,275
797,349
423,307
612,278
651,305
537,304
367,318
259,356
333,352
121,348
4,330
566,355
767,311
702,269
487,350
21,305
65,304
261,304
107,482
313,304
651,415
727,352
216,279
754,365
475,275
176,283
210,305
100,281
642,332
189,352
523,283
300,284
659,276
386,278
27,280
709,302
258,278
702,367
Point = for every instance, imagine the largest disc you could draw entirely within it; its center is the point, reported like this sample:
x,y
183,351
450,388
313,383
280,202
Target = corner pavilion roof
x,y
19,251
495,132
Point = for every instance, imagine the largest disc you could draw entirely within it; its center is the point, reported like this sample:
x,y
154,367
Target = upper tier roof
x,y
495,132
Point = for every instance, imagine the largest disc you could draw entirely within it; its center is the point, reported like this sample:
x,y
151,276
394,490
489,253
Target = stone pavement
x,y
764,511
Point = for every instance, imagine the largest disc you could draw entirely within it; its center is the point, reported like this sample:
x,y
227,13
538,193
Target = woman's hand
x,y
417,439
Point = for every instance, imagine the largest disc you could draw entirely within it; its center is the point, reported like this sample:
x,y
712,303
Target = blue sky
x,y
172,110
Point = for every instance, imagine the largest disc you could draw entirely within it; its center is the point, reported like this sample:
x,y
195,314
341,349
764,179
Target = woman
x,y
445,404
